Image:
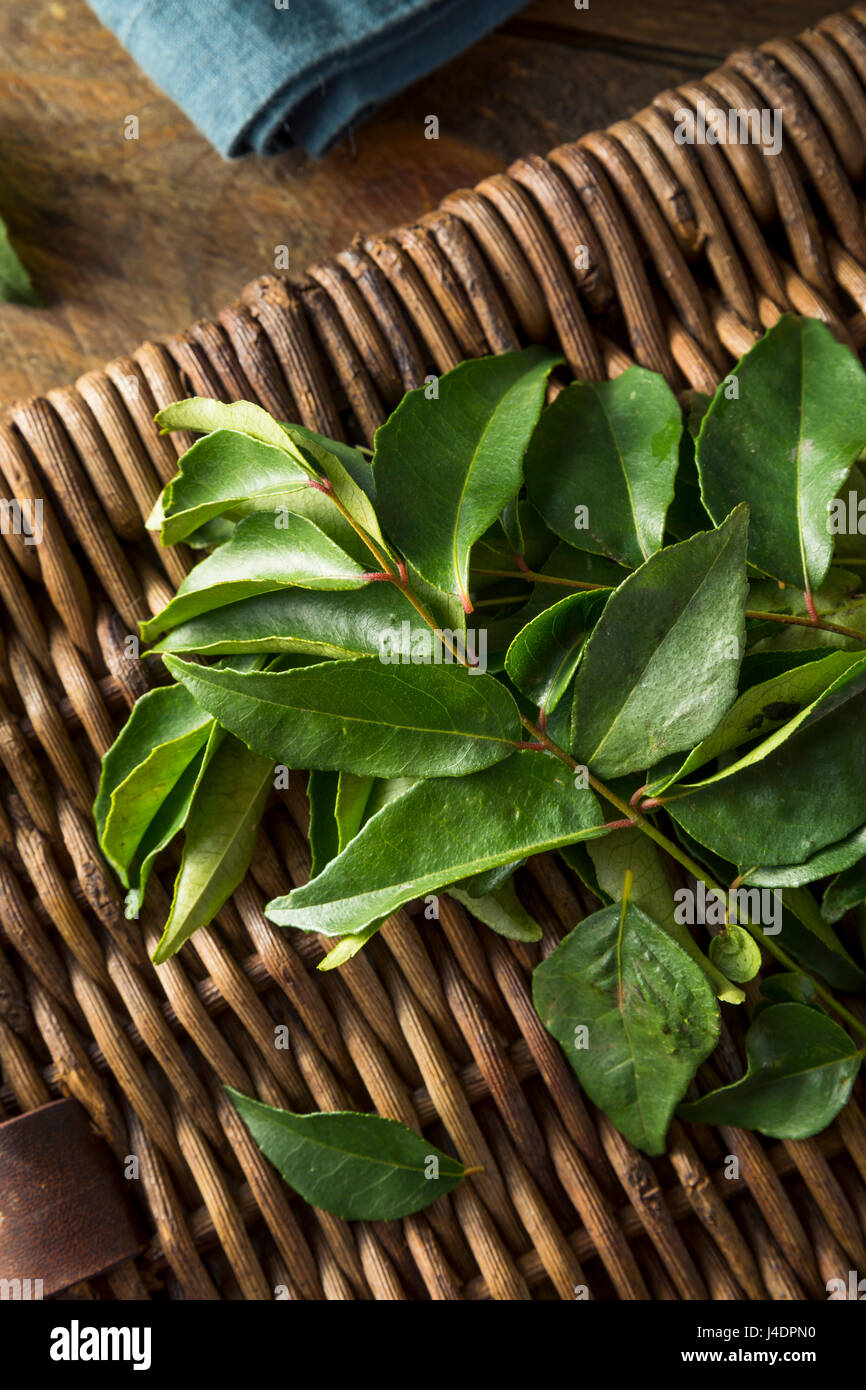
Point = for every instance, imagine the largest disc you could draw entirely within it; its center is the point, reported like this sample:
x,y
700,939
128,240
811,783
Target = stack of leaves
x,y
593,628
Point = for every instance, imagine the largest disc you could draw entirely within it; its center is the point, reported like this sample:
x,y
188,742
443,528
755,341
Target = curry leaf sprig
x,y
589,627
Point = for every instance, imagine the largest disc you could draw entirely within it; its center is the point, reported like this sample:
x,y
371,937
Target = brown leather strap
x,y
65,1212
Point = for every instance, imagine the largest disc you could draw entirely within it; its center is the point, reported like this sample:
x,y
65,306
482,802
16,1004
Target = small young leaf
x,y
784,444
439,831
736,952
660,667
811,942
349,946
801,1068
360,1167
648,1012
462,450
259,557
361,716
543,657
601,465
220,836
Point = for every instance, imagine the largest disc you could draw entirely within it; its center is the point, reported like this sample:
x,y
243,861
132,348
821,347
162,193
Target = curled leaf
x,y
801,1068
736,953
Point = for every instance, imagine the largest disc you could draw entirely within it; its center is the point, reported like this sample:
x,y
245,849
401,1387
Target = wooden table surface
x,y
131,239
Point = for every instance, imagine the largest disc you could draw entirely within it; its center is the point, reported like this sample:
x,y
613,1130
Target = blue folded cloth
x,y
262,74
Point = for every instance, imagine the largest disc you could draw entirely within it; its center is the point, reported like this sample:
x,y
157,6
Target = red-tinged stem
x,y
378,577
541,742
815,622
323,486
699,872
431,622
626,824
359,530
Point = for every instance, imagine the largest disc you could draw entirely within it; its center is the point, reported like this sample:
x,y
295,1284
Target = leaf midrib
x,y
620,1002
277,490
462,494
621,457
472,866
354,718
239,826
353,1153
757,1083
799,470
305,581
656,650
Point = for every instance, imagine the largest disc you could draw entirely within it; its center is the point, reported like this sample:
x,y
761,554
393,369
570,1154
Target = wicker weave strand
x,y
624,247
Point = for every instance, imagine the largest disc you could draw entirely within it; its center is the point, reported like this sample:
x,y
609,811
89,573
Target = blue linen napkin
x,y
258,75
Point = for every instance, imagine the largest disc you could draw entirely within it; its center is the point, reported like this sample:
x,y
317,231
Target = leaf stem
x,y
499,602
428,618
806,622
359,530
697,871
533,577
631,816
789,618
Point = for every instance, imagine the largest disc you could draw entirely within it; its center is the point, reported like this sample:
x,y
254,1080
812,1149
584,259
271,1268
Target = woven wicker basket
x,y
692,251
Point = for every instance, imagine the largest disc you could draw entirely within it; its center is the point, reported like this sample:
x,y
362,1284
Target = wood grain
x,y
710,29
135,239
